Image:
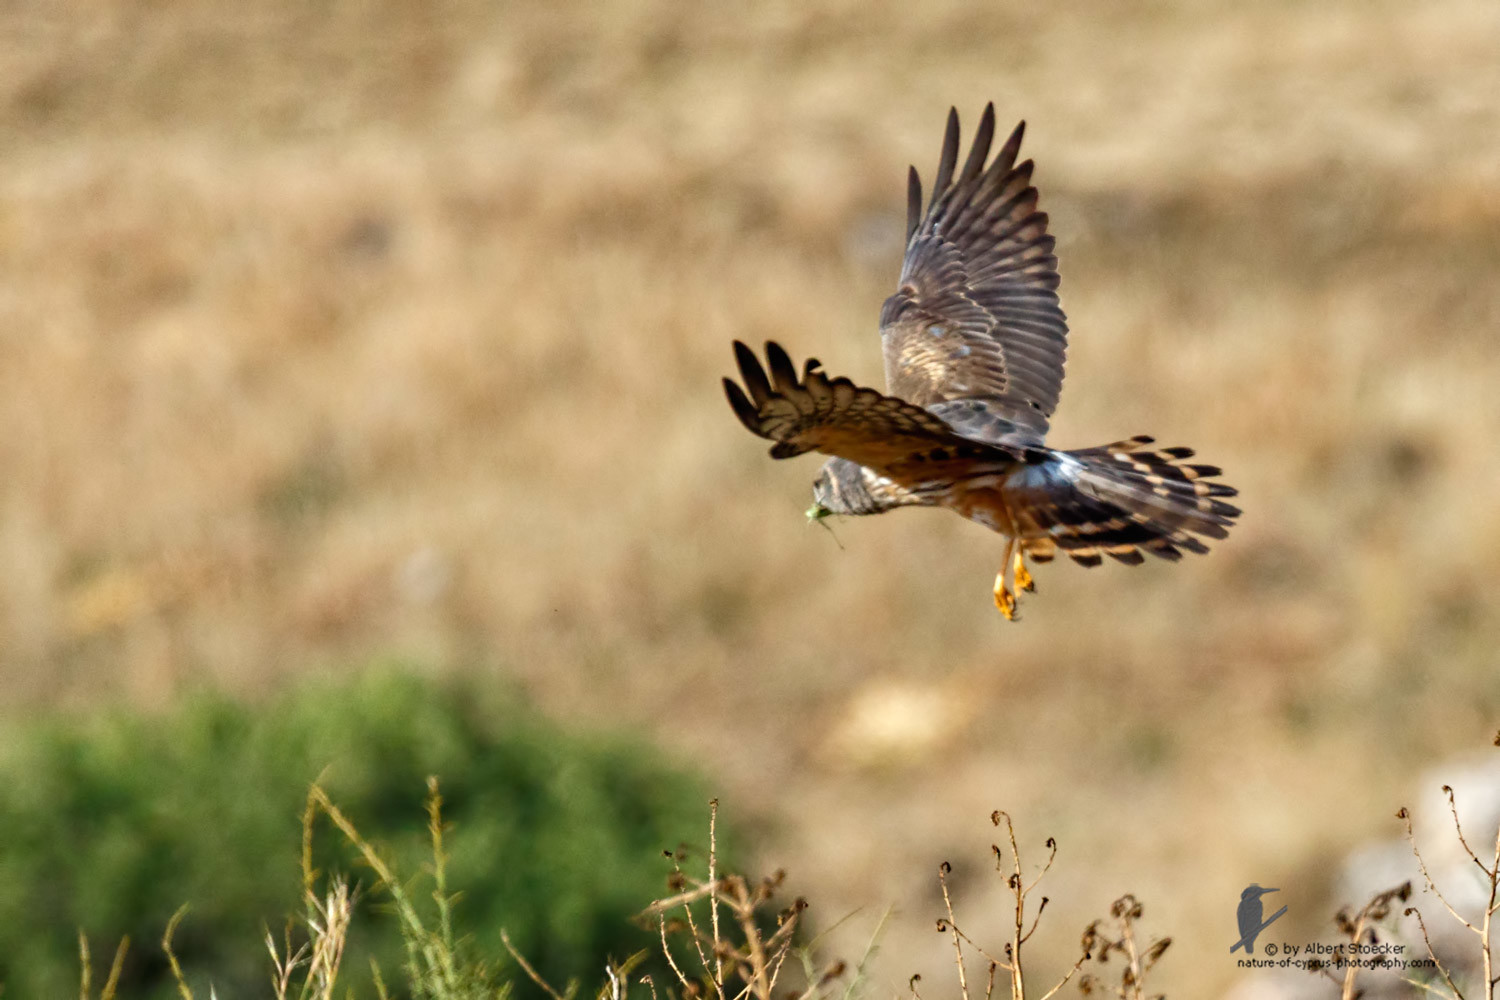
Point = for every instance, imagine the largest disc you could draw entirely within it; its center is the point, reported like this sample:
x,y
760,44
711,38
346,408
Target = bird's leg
x,y
1004,599
1023,578
1005,593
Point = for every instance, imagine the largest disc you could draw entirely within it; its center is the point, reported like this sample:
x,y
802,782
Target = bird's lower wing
x,y
834,416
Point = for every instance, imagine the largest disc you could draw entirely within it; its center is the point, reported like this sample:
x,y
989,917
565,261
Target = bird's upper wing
x,y
976,317
836,417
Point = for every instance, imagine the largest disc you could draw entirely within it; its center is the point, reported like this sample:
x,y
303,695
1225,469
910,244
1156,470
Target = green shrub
x,y
108,825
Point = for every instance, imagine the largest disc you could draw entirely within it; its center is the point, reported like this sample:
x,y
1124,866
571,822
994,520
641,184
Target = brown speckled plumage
x,y
974,343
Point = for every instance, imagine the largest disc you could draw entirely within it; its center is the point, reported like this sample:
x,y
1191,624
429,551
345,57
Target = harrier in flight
x,y
974,341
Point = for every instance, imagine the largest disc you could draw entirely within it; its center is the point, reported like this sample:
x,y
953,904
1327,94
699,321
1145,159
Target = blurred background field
x,y
394,330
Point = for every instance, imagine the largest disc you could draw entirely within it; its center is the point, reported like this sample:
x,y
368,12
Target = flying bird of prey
x,y
974,342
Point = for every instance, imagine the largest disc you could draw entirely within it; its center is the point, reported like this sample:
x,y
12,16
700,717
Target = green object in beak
x,y
817,512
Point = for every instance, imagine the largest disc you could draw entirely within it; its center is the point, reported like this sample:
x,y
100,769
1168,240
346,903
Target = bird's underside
x,y
974,344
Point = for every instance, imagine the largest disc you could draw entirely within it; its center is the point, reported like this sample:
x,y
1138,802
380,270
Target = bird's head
x,y
1253,891
840,489
845,487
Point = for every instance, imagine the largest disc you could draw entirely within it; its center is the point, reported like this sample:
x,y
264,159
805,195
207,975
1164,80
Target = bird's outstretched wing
x,y
976,317
834,416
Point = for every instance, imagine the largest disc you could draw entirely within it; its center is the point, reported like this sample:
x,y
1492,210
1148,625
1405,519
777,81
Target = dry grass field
x,y
368,329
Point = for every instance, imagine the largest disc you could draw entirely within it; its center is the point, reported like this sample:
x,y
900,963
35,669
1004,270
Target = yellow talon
x,y
1024,580
1004,599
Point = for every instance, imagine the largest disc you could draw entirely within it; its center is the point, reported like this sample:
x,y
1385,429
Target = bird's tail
x,y
1122,499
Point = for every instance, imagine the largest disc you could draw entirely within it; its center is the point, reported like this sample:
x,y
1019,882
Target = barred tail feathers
x,y
1121,500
